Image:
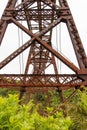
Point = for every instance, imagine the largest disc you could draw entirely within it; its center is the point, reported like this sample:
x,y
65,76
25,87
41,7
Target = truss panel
x,y
41,18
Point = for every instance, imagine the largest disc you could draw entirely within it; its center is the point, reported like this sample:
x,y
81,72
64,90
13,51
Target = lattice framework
x,y
41,17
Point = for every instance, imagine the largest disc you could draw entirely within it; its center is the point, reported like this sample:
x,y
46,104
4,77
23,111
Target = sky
x,y
78,9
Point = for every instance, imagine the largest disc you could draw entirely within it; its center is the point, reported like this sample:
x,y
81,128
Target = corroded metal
x,y
54,81
41,17
3,21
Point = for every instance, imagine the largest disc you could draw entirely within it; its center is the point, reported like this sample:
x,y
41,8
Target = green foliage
x,y
77,110
50,99
14,116
83,101
40,114
5,91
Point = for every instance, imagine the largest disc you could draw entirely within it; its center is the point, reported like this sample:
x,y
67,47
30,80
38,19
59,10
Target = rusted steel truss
x,y
41,17
60,82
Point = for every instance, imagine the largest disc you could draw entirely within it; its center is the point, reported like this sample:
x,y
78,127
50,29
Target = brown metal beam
x,y
16,53
41,17
76,41
64,81
3,21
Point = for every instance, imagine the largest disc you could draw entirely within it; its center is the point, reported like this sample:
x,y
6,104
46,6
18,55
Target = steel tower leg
x,y
39,18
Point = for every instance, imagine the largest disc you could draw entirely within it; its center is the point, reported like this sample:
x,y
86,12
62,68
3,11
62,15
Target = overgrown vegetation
x,y
43,112
26,117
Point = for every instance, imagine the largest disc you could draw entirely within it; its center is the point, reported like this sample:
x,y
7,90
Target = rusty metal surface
x,y
62,81
41,17
3,20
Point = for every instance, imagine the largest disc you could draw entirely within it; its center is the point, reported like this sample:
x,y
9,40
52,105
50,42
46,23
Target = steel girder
x,y
41,17
54,81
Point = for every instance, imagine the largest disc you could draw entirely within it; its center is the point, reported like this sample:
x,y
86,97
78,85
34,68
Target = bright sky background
x,y
79,11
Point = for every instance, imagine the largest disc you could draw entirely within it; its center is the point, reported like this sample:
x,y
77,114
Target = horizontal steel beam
x,y
62,81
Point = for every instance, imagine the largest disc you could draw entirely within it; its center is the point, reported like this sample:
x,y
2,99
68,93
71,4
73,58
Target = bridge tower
x,y
38,19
